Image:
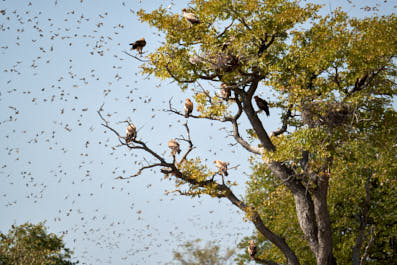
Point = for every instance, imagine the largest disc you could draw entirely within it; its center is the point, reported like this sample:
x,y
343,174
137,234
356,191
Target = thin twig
x,y
137,58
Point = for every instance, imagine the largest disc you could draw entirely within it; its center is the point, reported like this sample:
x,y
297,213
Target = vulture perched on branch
x,y
131,133
138,45
190,17
225,92
174,146
252,249
262,104
222,167
188,108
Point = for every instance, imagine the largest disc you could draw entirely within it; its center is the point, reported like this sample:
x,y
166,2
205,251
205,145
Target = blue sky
x,y
61,60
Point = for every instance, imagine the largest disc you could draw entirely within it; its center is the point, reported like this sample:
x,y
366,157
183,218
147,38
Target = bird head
x,y
252,242
142,39
256,97
188,100
184,10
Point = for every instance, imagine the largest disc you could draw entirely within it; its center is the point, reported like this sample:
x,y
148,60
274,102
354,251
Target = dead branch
x,y
140,171
137,58
189,141
284,127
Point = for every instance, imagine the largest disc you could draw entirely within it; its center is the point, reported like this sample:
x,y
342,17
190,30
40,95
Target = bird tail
x,y
226,174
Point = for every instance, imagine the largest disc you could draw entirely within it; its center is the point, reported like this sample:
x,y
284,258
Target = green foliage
x,y
193,254
337,76
31,244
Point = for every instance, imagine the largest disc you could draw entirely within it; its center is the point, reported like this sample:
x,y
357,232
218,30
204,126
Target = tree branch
x,y
189,141
284,127
236,133
363,225
137,58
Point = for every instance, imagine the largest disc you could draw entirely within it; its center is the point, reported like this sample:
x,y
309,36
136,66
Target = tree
x,y
32,244
333,79
193,254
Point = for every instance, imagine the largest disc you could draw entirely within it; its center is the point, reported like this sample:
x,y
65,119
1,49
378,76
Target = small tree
x,y
324,185
31,244
193,254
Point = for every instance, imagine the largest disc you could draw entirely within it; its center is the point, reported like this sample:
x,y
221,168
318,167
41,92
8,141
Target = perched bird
x,y
174,146
262,104
188,108
131,133
138,45
190,17
222,167
252,249
225,92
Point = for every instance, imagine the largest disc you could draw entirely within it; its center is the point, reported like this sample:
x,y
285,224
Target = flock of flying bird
x,y
225,93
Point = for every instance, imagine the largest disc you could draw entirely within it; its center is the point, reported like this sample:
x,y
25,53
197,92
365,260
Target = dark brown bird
x,y
188,107
190,17
262,104
138,45
252,249
131,133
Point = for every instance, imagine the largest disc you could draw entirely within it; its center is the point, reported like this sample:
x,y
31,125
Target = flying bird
x,y
252,249
190,17
174,146
225,92
188,108
222,167
138,45
262,104
131,133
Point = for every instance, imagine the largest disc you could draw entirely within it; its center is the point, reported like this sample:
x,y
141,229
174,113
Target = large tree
x,y
323,190
32,244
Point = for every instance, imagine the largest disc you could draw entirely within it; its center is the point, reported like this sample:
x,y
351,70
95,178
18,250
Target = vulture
x,y
252,249
262,104
138,45
190,17
225,92
222,167
174,146
131,133
188,108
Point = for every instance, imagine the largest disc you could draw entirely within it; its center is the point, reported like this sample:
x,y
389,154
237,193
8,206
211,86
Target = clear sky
x,y
60,61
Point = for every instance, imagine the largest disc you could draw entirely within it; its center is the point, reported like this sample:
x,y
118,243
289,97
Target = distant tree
x,y
30,244
323,190
191,253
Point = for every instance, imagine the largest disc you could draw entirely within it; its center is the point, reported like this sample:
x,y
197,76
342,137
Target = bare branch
x,y
137,58
284,127
236,133
224,31
141,170
189,141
